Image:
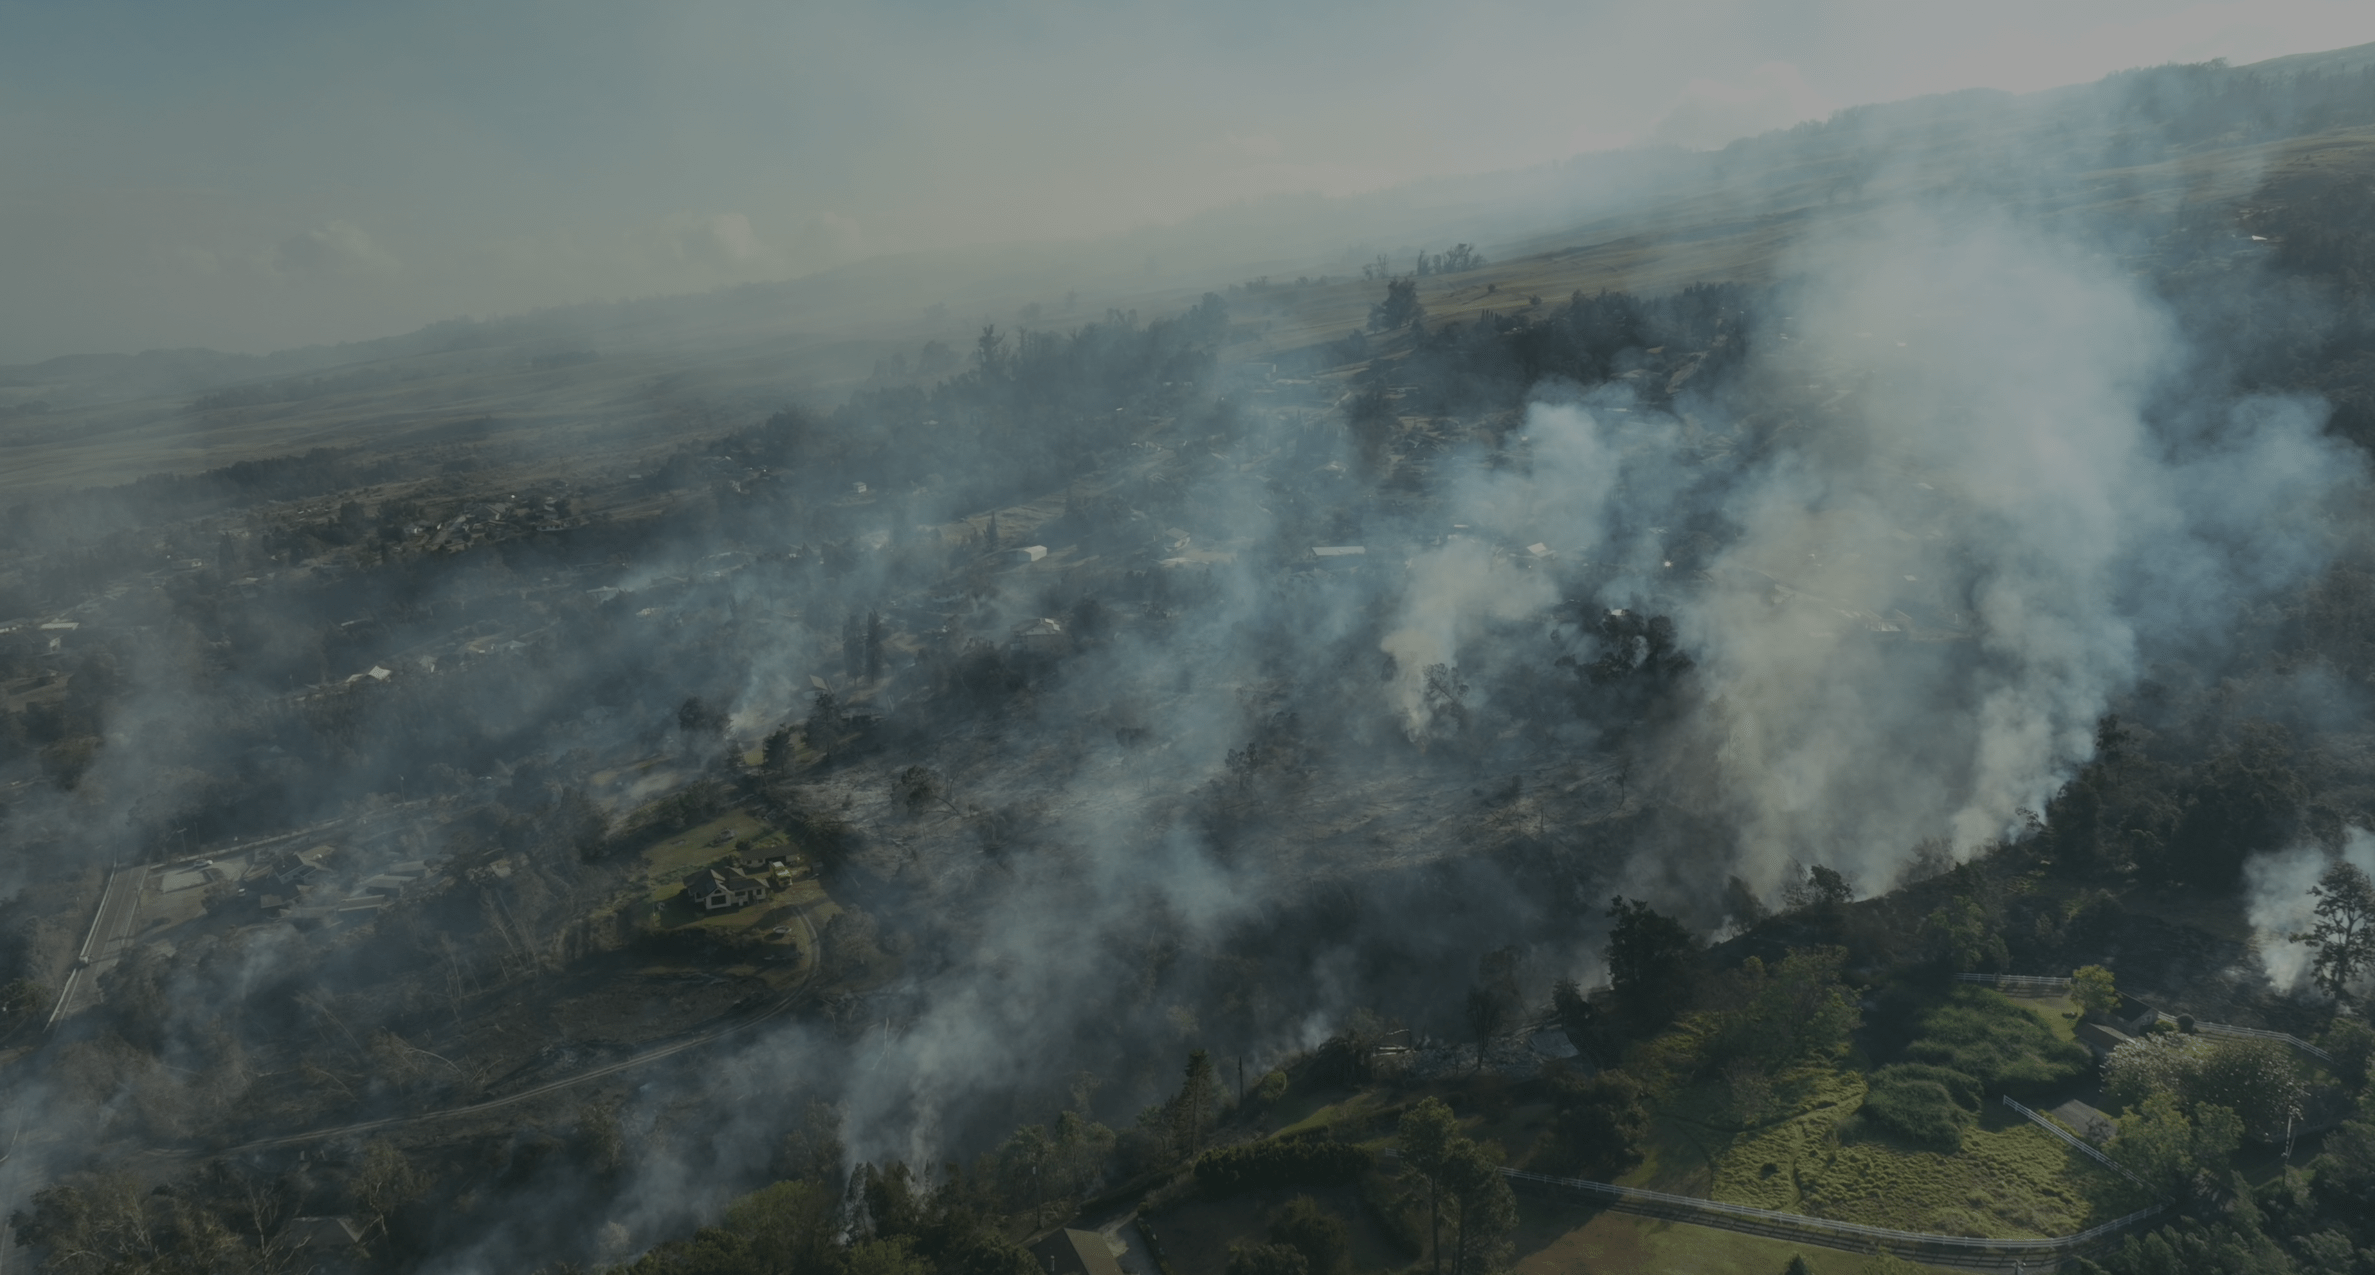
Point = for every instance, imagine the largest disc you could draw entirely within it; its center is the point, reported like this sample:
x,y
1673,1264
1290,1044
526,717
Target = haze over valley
x,y
1749,683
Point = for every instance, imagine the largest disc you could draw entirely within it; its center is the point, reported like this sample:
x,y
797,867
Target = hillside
x,y
524,786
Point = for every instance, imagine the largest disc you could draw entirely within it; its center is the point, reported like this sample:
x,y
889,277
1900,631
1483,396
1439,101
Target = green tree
x,y
1024,1163
892,1202
789,1226
1400,308
2352,1043
2091,986
1320,1236
1799,1009
1485,1012
1425,1137
2161,1144
1079,1154
2255,1079
1598,1124
1267,1259
1963,935
1194,1108
1828,887
1483,1205
894,1256
2344,934
1652,963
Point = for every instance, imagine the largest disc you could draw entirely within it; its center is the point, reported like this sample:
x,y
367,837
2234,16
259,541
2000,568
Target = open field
x,y
1569,1240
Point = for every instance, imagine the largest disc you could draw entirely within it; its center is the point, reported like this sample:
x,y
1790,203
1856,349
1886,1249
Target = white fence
x,y
2074,1140
2032,984
2254,1033
2027,984
1959,1249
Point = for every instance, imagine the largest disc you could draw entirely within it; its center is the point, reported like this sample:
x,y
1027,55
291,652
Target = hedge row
x,y
1254,1166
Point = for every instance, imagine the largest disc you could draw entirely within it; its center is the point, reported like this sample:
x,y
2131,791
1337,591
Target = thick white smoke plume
x,y
1978,490
1955,541
2276,887
1979,508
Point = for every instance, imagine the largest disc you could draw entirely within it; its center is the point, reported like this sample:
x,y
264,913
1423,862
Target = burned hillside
x,y
589,820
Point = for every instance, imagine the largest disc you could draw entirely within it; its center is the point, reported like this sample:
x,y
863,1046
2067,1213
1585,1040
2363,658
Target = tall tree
x,y
2094,989
1652,963
1426,1136
1485,1012
1197,1102
2344,934
1487,1209
1320,1236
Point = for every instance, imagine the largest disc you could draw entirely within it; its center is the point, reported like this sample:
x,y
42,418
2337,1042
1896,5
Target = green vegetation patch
x,y
1844,1152
1983,1035
1563,1240
1303,1110
2008,1181
1927,1106
1301,1162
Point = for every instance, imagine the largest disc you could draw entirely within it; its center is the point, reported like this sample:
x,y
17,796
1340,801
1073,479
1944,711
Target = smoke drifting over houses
x,y
1234,675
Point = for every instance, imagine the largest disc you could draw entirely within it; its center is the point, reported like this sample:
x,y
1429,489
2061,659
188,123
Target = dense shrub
x,y
1255,1166
2005,1048
1927,1106
1311,1230
1596,1130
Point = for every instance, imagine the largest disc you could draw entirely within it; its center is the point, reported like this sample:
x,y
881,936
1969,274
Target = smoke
x,y
1966,521
2279,905
1711,113
340,248
1964,487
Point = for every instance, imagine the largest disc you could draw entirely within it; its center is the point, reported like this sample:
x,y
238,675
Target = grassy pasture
x,y
2010,1179
1560,1239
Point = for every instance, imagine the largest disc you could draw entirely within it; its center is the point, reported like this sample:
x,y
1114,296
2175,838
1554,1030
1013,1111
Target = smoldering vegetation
x,y
1142,687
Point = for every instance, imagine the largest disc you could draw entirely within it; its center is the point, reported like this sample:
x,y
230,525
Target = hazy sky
x,y
251,174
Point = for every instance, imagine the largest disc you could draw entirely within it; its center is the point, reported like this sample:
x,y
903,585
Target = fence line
x,y
2254,1033
2029,981
1872,1237
2074,1140
2022,981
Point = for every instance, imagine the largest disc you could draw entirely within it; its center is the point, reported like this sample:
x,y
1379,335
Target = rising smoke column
x,y
1994,496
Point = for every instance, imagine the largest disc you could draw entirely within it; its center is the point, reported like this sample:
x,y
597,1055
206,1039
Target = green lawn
x,y
2010,1180
1302,1113
670,859
2059,1015
1570,1240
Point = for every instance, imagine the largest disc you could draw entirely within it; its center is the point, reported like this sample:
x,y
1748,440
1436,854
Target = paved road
x,y
112,928
110,932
